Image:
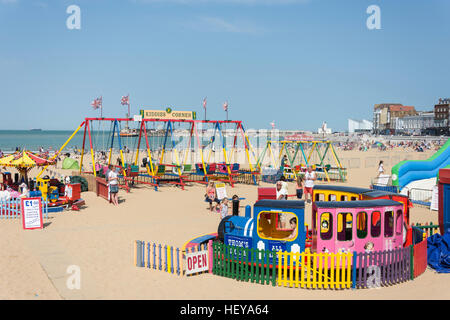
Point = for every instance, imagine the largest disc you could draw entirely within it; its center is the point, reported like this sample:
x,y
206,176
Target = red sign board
x,y
298,137
197,262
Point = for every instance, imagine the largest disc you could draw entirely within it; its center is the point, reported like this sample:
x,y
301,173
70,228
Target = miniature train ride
x,y
364,221
57,194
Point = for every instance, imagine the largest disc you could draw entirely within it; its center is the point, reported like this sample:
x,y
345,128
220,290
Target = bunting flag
x,y
97,103
225,106
125,101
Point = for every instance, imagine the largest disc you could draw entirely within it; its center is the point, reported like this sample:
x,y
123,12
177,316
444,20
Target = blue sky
x,y
297,62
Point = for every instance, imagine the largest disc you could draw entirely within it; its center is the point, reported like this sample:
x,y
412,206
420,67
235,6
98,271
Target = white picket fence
x,y
11,209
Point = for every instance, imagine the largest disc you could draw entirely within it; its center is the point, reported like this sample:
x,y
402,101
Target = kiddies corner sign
x,y
168,114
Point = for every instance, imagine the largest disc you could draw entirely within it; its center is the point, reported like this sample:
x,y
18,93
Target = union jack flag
x,y
204,103
225,106
125,101
97,103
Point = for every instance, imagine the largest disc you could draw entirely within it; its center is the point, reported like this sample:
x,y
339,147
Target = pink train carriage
x,y
358,226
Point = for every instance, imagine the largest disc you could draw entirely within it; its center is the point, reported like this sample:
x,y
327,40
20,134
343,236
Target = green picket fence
x,y
428,229
250,265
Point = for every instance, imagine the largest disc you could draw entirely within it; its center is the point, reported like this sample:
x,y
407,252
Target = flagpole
x,y
204,106
228,105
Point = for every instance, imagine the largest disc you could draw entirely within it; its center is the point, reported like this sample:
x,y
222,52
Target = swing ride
x,y
298,155
167,151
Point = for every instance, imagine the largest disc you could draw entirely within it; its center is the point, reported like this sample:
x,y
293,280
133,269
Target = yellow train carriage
x,y
338,193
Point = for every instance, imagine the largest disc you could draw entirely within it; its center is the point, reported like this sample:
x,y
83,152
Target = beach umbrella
x,y
24,161
377,144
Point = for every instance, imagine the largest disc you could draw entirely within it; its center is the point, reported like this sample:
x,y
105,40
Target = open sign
x,y
197,262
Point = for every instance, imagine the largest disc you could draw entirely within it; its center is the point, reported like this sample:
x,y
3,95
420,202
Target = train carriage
x,y
346,193
357,226
360,226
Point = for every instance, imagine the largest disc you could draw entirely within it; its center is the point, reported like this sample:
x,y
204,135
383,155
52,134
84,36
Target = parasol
x,y
24,161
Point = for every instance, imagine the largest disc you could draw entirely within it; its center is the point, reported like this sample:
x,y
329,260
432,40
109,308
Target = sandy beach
x,y
99,239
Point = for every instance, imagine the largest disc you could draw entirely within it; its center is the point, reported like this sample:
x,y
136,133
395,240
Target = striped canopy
x,y
24,159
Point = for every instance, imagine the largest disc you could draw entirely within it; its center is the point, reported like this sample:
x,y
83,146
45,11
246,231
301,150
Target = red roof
x,y
401,108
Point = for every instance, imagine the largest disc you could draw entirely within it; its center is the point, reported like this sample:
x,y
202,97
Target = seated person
x,y
293,224
211,196
281,192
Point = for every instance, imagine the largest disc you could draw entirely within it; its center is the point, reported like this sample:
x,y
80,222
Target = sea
x,y
101,140
54,140
33,140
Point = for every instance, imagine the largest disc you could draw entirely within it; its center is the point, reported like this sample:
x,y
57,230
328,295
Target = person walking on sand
x,y
380,168
113,184
310,177
299,189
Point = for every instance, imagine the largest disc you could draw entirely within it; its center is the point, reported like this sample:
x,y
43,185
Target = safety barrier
x,y
163,257
343,270
382,268
11,209
420,258
315,270
420,196
243,264
385,188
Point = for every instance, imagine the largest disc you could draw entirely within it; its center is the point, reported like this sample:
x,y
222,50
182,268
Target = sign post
x,y
221,191
31,210
197,262
168,114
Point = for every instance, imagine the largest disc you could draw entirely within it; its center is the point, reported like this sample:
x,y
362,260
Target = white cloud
x,y
220,25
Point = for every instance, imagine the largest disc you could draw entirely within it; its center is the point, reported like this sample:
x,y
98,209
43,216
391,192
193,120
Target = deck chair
x,y
211,168
161,170
199,168
235,168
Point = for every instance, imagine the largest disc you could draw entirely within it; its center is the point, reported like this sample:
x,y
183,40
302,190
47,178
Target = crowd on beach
x,y
417,146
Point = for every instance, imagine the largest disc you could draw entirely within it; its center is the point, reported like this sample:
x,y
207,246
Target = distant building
x,y
385,114
441,116
324,129
359,126
421,124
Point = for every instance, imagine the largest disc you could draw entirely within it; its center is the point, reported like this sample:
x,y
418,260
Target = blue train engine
x,y
275,225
